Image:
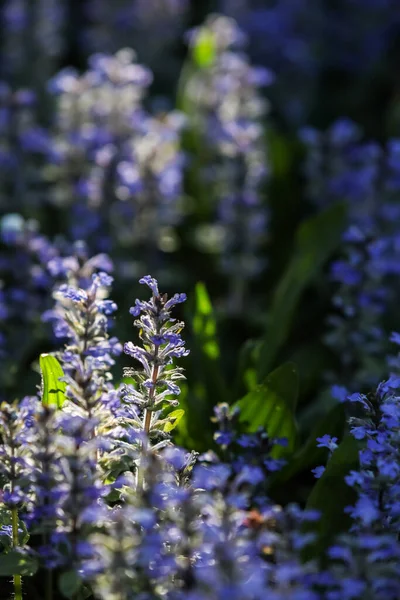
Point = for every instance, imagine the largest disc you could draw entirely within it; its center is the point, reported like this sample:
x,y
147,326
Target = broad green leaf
x,y
331,494
271,406
53,390
204,50
316,240
181,435
17,562
203,370
176,416
204,324
5,519
309,455
205,348
69,583
246,373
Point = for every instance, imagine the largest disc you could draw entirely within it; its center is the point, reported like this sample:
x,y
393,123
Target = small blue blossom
x,y
318,471
326,441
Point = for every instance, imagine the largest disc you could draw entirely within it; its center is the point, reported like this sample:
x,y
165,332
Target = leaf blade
x,y
316,240
272,404
175,416
53,389
18,562
331,494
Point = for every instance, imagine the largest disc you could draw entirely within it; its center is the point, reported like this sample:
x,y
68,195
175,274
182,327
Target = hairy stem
x,y
147,422
17,578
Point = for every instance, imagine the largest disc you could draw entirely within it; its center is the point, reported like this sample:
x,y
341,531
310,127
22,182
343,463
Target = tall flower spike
x,y
162,343
119,167
24,293
81,316
229,109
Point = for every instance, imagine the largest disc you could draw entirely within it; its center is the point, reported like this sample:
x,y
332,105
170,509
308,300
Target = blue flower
x,y
152,283
326,441
318,471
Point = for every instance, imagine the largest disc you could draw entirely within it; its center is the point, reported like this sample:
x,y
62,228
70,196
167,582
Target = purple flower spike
x,y
162,342
152,283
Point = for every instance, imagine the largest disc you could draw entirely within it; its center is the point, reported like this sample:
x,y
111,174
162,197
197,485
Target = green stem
x,y
140,475
147,423
17,578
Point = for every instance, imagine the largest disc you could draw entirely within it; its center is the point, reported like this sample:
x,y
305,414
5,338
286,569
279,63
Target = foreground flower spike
x,y
81,317
15,467
365,560
162,343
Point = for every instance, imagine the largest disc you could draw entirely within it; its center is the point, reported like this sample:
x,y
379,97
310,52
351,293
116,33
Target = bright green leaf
x,y
18,562
204,324
204,50
271,405
175,417
53,390
204,371
317,238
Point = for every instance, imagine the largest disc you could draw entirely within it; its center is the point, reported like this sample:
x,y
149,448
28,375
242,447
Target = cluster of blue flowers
x,y
124,512
227,110
340,166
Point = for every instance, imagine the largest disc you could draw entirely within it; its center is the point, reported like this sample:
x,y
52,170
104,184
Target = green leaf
x,y
331,494
309,455
280,151
271,406
176,416
204,323
83,593
18,562
204,50
53,390
316,240
203,370
246,374
23,535
69,583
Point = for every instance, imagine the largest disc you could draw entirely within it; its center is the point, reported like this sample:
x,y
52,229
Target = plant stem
x,y
49,584
17,578
147,423
140,476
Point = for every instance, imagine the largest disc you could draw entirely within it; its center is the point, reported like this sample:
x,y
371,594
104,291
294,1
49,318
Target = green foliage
x,y
18,562
309,455
316,240
204,50
53,389
246,374
207,385
69,583
331,495
204,323
174,418
272,404
5,540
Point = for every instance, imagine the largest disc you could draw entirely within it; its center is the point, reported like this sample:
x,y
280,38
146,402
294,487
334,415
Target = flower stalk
x,y
17,578
162,343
